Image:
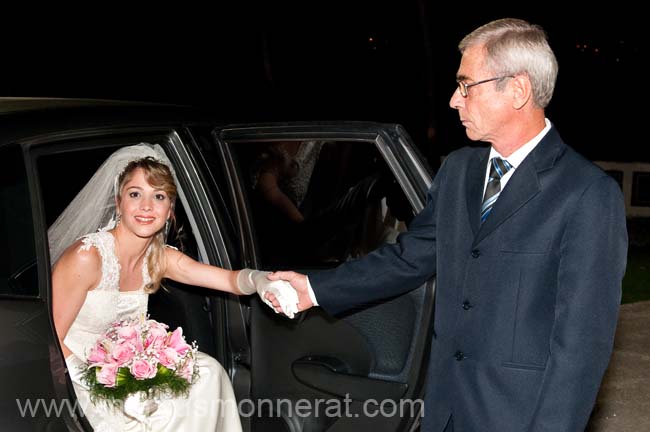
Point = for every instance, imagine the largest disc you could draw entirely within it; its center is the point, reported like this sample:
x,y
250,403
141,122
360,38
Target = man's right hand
x,y
298,282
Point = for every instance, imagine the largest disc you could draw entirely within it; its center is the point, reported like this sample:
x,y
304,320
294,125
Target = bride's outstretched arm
x,y
184,269
74,274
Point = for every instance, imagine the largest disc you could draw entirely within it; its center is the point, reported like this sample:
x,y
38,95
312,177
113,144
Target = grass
x,y
636,283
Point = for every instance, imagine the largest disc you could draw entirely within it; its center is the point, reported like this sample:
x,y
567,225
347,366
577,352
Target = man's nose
x,y
456,100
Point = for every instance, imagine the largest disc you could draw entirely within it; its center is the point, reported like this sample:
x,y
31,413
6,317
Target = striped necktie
x,y
498,168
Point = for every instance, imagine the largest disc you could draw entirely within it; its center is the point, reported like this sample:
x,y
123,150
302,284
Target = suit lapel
x,y
475,183
522,186
524,183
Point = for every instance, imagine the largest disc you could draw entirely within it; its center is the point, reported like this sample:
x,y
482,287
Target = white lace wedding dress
x,y
211,404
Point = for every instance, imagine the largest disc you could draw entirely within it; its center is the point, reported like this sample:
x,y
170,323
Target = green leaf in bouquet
x,y
122,377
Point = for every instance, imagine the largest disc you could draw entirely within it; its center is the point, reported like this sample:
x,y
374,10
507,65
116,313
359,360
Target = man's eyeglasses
x,y
463,87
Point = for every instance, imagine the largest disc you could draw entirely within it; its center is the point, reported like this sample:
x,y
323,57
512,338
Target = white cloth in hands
x,y
250,281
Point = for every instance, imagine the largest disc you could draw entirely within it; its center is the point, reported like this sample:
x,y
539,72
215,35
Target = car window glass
x,y
17,251
318,203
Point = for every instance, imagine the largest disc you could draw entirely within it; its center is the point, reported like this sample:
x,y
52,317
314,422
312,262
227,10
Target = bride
x,y
102,276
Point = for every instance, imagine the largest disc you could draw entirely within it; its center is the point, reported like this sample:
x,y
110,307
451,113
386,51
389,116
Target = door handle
x,y
330,375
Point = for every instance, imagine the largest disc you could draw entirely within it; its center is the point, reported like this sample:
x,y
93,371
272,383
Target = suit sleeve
x,y
391,270
593,256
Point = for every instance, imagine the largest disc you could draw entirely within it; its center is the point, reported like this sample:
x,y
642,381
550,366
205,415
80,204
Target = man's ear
x,y
522,91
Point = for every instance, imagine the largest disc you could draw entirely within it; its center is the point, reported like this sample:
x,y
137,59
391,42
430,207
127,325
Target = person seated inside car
x,y
294,221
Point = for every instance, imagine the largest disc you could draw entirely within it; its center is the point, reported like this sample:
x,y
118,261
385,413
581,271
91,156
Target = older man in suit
x,y
527,240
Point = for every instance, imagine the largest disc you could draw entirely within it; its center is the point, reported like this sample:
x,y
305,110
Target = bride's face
x,y
144,209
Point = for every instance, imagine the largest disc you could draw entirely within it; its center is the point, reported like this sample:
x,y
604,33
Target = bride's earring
x,y
118,219
167,226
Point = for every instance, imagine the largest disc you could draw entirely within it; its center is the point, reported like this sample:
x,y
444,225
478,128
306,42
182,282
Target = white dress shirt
x,y
516,158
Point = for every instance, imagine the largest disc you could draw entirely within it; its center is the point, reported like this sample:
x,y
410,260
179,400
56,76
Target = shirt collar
x,y
520,154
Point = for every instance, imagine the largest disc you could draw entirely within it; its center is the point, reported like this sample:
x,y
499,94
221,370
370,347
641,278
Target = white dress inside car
x,y
211,404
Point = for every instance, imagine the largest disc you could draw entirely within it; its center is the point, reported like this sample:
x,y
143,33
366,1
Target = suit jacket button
x,y
467,305
476,253
459,355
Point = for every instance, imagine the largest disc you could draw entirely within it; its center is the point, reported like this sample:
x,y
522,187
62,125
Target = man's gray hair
x,y
514,47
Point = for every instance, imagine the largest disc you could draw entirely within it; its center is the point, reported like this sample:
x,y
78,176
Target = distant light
x,y
370,39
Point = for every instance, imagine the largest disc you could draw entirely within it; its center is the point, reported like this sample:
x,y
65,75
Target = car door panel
x,y
374,352
31,372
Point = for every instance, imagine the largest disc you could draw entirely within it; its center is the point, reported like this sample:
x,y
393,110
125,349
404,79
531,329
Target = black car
x,y
360,371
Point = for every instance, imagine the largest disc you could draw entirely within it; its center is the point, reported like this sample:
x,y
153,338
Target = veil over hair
x,y
93,208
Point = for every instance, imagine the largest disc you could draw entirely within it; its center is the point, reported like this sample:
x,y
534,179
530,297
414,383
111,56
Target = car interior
x,y
349,206
18,274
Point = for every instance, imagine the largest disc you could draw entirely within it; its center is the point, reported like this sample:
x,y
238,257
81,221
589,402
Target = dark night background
x,y
388,62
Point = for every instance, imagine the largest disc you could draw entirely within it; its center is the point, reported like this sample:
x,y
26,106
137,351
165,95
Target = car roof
x,y
22,104
23,118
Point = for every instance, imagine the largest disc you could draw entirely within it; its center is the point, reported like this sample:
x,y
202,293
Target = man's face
x,y
485,111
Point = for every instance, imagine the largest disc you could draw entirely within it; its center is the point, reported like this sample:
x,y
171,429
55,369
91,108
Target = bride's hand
x,y
75,368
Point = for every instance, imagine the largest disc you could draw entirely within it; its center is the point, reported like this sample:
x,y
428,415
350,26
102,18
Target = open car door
x,y
356,186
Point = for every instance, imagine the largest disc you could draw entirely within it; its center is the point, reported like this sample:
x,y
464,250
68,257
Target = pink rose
x,y
106,375
157,325
128,332
123,353
187,370
97,356
142,369
156,336
168,357
177,342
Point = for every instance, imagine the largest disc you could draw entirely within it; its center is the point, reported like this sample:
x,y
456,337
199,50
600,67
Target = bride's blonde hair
x,y
159,176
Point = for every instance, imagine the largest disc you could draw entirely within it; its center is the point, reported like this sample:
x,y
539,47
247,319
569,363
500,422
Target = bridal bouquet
x,y
140,355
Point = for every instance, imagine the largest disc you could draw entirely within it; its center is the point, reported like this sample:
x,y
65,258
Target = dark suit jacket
x,y
526,304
